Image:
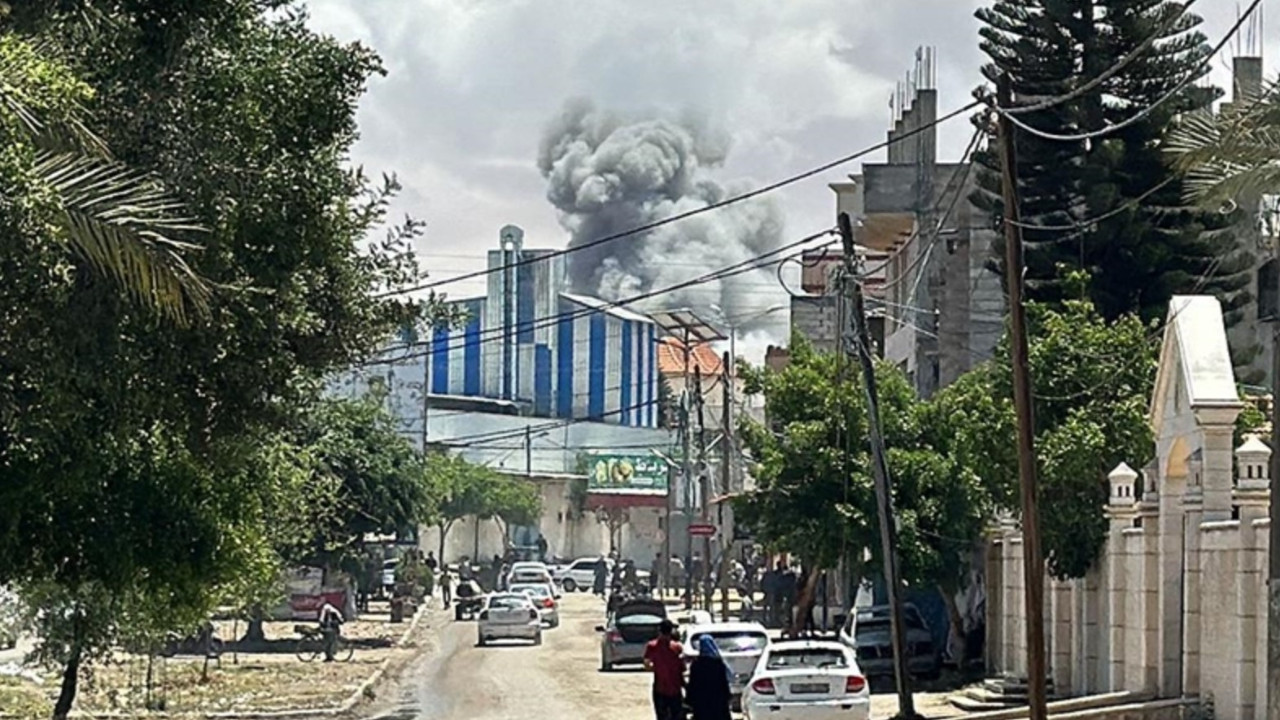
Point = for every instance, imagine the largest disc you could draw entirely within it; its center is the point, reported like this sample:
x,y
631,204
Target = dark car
x,y
631,625
867,631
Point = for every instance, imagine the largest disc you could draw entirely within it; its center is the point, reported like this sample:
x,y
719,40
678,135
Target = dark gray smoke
x,y
607,174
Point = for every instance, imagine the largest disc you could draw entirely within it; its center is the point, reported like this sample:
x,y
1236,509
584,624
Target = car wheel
x,y
480,642
457,612
537,639
570,585
606,666
555,623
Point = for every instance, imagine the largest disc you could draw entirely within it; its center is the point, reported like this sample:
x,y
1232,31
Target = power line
x,y
699,211
1109,72
502,332
1142,114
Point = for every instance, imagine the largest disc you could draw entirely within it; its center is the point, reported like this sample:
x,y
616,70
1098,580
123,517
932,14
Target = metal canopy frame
x,y
684,324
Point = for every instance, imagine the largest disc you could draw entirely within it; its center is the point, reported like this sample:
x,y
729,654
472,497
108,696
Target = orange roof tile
x,y
701,356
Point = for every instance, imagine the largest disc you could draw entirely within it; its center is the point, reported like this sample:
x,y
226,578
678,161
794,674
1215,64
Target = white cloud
x,y
472,84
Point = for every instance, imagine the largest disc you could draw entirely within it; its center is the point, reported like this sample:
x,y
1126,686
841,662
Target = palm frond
x,y
121,222
1232,155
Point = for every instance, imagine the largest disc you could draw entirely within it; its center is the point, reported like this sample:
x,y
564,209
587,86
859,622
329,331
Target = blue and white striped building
x,y
559,354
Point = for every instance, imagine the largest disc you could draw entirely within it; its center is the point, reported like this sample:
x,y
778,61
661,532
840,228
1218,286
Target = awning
x,y
619,500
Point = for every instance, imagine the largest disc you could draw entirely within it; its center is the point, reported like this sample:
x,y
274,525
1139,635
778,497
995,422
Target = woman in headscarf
x,y
709,677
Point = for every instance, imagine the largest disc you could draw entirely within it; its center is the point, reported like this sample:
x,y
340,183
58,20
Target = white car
x,y
581,573
509,616
528,575
809,680
741,645
544,597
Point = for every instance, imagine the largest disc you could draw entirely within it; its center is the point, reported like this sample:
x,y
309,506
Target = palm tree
x,y
118,221
1232,156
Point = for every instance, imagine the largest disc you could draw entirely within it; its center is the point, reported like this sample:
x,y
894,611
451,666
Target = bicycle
x,y
311,645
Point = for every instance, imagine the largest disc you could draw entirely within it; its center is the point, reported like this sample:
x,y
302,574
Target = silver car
x,y
630,627
740,643
509,616
544,598
867,631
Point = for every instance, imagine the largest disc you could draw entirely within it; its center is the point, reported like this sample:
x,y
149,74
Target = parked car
x,y
807,680
688,619
867,633
581,573
628,629
544,597
741,645
509,616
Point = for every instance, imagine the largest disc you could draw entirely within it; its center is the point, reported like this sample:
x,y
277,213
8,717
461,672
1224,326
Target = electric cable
x,y
1142,114
1110,72
771,187
502,333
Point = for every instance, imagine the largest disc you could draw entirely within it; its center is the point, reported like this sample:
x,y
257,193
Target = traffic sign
x,y
702,530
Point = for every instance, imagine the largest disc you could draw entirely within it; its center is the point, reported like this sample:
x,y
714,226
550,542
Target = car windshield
x,y
535,590
878,620
640,619
508,602
806,658
734,642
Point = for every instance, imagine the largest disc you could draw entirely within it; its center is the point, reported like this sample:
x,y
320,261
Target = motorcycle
x,y
468,600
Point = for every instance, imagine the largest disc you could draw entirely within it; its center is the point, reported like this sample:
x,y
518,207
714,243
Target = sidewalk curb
x,y
341,709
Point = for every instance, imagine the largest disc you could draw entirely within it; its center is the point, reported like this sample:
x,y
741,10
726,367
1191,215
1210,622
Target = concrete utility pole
x,y
880,467
704,486
686,436
1032,559
727,450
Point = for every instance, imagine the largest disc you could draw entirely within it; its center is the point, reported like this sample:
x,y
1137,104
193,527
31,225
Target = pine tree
x,y
1150,244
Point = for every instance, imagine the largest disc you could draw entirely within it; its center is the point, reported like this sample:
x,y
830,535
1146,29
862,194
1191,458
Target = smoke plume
x,y
608,173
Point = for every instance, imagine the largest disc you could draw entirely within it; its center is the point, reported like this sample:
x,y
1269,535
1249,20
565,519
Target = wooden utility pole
x,y
880,467
727,450
1032,559
1273,557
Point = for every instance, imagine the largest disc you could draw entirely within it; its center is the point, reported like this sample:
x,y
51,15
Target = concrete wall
x,y
568,533
1112,630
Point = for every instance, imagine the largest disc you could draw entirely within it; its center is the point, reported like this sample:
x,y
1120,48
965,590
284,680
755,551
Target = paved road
x,y
560,679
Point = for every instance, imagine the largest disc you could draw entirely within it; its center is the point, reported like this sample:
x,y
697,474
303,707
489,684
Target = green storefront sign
x,y
609,472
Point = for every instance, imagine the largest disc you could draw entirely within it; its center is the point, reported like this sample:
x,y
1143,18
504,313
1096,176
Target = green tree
x,y
1091,380
1148,245
461,489
131,498
815,493
382,487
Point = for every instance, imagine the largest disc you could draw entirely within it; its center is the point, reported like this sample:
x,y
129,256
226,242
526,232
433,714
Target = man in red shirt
x,y
662,657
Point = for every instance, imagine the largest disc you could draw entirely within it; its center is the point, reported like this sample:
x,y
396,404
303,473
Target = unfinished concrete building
x,y
942,306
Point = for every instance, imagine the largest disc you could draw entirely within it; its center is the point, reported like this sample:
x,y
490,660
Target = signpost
x,y
702,530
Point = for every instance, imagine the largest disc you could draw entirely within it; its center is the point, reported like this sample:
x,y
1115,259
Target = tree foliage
x,y
465,489
135,492
1146,244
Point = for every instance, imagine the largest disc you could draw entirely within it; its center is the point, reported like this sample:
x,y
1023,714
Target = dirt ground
x,y
265,677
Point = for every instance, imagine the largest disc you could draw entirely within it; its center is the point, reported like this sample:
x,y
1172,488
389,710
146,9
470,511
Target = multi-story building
x,y
942,305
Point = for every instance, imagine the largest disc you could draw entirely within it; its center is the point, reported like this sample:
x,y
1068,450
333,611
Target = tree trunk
x,y
253,630
70,679
444,532
957,636
804,603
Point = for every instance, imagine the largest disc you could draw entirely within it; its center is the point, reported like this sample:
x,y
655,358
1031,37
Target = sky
x,y
471,86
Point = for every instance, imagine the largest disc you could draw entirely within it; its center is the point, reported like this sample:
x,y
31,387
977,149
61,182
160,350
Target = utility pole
x,y
727,450
880,467
686,437
1273,557
704,486
426,403
1032,559
528,451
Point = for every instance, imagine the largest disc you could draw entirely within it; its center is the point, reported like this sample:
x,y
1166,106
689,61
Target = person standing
x,y
656,571
601,580
446,587
662,657
709,681
542,547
